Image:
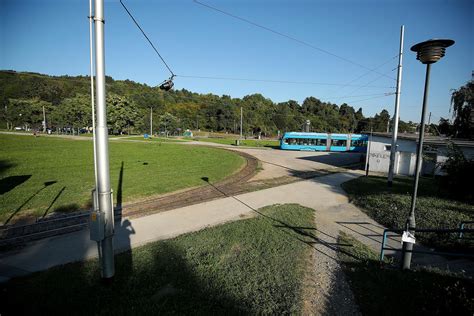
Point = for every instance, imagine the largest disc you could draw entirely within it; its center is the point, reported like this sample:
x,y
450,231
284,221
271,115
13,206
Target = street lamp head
x,y
431,51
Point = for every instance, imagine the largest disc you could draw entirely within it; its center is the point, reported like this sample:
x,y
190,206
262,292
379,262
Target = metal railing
x,y
461,230
461,227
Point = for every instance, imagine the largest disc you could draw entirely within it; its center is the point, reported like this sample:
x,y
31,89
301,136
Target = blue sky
x,y
51,36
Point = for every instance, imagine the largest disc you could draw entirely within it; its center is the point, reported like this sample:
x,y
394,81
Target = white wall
x,y
379,156
405,160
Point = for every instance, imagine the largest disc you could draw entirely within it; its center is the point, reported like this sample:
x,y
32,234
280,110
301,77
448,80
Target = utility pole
x,y
393,149
103,190
151,121
241,120
429,123
44,120
91,56
367,156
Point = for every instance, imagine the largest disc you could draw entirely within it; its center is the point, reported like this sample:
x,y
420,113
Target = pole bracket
x,y
98,20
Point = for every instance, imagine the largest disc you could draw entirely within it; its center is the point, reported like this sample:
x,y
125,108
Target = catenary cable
x,y
149,41
288,37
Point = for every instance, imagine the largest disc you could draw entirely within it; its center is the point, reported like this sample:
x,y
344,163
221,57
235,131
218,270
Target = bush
x,y
460,172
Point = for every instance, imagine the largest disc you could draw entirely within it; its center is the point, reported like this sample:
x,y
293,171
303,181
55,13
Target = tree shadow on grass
x,y
159,281
68,208
5,165
9,183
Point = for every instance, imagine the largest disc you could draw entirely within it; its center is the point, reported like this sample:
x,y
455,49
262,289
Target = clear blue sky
x,y
51,37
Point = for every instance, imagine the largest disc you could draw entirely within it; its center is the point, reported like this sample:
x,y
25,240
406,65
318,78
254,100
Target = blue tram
x,y
324,142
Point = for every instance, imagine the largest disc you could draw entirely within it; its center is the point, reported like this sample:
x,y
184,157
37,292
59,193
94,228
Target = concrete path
x,y
320,193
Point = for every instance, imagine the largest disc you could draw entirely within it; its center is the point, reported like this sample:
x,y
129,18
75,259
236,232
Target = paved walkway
x,y
334,213
319,193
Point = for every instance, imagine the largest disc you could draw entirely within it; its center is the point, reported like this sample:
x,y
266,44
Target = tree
x,y
122,114
381,121
168,123
462,101
26,112
73,112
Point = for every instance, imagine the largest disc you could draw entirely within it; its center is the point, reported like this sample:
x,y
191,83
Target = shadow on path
x,y
302,231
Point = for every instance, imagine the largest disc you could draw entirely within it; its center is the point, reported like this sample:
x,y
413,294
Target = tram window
x,y
321,142
339,142
359,143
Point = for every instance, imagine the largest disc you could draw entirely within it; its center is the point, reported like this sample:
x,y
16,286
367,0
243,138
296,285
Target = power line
x,y
280,81
366,73
383,96
149,41
366,95
288,37
363,86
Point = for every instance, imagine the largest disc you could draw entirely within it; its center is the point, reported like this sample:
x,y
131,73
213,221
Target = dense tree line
x,y
129,104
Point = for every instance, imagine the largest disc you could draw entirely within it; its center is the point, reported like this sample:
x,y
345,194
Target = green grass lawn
x,y
391,206
160,139
252,266
45,174
245,142
387,291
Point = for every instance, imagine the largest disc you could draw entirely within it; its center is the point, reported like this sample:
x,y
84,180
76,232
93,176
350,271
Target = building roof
x,y
429,139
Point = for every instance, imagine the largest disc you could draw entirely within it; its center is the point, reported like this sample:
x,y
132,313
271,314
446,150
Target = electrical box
x,y
97,225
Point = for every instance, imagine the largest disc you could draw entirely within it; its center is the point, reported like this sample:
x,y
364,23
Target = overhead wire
x,y
383,96
149,41
289,37
366,73
363,86
348,84
366,95
241,79
279,81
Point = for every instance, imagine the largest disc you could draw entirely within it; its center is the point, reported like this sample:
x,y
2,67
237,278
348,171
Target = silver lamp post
x,y
428,53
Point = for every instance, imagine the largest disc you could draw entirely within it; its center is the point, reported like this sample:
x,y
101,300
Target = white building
x,y
405,159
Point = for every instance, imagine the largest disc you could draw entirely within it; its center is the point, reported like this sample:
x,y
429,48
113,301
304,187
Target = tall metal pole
x,y
103,176
91,53
408,247
151,121
393,150
44,120
241,120
367,157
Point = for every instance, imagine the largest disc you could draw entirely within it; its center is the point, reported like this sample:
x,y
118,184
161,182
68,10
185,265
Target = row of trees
x,y
67,105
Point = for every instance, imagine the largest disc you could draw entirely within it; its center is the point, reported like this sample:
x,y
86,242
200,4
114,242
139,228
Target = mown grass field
x,y
45,174
385,290
159,139
391,206
252,266
244,142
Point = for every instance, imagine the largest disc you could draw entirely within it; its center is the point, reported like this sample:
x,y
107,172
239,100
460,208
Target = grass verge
x,y
386,291
252,266
44,174
391,206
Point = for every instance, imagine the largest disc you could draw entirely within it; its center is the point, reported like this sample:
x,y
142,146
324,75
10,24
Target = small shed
x,y
435,147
